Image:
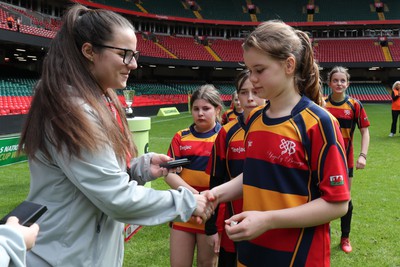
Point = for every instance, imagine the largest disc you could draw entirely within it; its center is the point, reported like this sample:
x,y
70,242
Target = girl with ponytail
x,y
294,179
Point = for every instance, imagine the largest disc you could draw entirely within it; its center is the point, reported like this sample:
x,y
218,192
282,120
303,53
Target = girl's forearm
x,y
230,190
174,181
314,213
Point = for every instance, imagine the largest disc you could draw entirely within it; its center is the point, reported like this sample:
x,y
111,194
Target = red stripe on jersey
x,y
350,113
197,148
289,163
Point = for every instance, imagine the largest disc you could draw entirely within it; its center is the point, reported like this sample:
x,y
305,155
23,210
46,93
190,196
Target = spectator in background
x,y
395,107
226,163
234,110
15,240
194,143
79,145
10,21
350,113
18,24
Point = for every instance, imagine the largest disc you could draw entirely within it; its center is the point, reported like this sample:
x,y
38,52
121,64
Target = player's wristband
x,y
363,155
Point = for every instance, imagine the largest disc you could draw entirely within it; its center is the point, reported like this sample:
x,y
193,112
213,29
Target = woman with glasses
x,y
79,146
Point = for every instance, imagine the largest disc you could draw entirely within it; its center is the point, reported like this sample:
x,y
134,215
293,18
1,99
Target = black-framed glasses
x,y
128,53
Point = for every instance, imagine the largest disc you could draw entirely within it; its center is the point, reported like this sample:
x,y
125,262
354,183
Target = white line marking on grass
x,y
172,119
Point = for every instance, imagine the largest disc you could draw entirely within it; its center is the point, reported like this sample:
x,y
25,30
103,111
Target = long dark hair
x,y
66,83
280,41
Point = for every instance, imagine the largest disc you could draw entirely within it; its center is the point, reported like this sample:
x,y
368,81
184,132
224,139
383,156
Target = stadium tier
x,y
349,10
394,48
228,50
367,92
32,22
209,48
16,93
344,50
260,10
189,31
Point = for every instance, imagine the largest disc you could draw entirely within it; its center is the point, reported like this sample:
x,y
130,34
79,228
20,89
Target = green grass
x,y
375,193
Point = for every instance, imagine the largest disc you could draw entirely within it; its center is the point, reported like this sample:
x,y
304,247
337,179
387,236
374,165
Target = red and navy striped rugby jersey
x,y
289,162
197,147
350,113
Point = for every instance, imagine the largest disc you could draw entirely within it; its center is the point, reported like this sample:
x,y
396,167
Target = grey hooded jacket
x,y
89,199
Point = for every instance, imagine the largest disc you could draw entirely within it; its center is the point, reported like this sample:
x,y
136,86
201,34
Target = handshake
x,y
206,204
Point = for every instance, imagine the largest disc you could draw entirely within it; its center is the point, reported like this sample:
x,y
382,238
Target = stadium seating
x,y
39,20
169,8
392,9
328,50
223,10
277,10
344,11
354,10
365,92
149,48
128,5
228,50
394,48
348,50
16,93
44,28
185,48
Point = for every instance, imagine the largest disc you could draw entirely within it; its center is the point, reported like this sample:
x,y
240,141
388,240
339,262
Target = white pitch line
x,y
172,119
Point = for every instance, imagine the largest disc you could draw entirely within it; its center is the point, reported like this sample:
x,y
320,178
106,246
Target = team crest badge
x,y
288,147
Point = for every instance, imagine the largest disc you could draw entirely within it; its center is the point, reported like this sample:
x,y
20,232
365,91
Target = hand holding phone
x,y
29,233
175,163
27,213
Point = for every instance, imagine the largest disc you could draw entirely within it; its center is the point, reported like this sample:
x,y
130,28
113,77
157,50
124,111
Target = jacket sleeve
x,y
12,247
140,169
100,177
103,179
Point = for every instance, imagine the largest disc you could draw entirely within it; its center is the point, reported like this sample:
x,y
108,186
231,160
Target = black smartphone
x,y
27,212
175,163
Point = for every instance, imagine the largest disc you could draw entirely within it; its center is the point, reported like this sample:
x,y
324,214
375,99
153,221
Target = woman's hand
x,y
156,170
29,233
204,208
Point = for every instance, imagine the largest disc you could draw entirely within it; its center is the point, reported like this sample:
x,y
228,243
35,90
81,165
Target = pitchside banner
x,y
8,151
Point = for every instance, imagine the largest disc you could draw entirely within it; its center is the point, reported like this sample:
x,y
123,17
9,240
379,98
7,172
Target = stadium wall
x,y
26,39
11,124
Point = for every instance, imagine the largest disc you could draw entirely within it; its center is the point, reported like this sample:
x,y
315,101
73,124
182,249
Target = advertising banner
x,y
8,151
